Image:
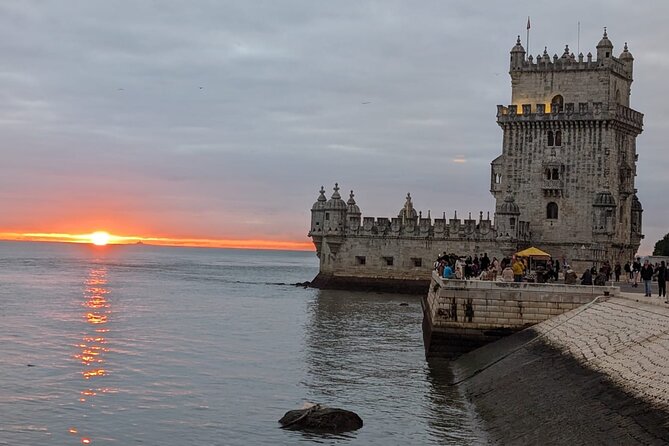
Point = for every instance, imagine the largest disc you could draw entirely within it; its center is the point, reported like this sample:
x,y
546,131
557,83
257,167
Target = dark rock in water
x,y
404,304
321,419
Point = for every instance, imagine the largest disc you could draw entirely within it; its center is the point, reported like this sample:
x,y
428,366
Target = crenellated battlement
x,y
583,111
438,228
335,220
569,62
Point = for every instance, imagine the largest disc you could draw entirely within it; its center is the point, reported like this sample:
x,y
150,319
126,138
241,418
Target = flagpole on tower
x,y
527,41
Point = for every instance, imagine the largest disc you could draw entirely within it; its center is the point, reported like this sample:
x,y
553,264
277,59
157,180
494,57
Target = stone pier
x,y
462,315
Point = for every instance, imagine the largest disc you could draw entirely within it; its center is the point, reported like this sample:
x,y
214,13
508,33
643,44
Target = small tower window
x,y
548,174
389,261
327,216
555,175
512,222
551,141
552,211
557,103
558,138
360,260
417,262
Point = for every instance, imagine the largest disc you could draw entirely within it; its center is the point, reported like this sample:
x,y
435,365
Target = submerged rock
x,y
319,418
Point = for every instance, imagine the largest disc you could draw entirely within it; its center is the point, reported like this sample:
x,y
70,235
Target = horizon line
x,y
117,240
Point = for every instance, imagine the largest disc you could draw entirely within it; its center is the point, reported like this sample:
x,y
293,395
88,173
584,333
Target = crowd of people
x,y
514,269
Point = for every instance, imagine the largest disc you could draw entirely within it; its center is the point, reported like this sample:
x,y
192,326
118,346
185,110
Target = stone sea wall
x,y
598,374
461,315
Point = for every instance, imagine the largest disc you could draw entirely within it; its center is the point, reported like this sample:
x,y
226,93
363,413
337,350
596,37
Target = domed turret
x,y
320,202
408,212
351,207
352,213
517,55
604,48
335,202
506,218
509,206
318,221
335,213
604,199
626,55
627,59
636,204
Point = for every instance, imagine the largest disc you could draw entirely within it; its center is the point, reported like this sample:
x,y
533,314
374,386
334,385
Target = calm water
x,y
175,346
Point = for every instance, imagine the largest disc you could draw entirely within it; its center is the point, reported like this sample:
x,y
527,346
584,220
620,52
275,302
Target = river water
x,y
125,345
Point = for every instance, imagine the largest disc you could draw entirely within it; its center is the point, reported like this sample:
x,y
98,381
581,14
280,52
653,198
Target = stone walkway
x,y
595,375
626,339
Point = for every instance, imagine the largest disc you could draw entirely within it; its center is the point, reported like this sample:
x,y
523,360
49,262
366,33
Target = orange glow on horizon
x,y
111,239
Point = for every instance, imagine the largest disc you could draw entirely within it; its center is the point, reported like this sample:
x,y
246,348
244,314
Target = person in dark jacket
x,y
636,268
586,278
617,270
662,280
628,271
647,276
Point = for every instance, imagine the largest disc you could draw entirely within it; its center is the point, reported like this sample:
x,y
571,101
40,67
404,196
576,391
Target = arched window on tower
x,y
550,138
557,103
558,138
552,211
555,174
618,97
548,174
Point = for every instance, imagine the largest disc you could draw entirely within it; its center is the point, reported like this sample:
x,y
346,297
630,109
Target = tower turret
x,y
317,221
628,60
604,48
517,56
335,213
506,218
352,213
408,213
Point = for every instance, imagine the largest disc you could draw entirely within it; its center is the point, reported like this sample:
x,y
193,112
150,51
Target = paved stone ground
x,y
598,375
626,340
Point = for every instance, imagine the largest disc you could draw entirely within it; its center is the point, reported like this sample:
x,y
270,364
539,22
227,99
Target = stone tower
x,y
569,153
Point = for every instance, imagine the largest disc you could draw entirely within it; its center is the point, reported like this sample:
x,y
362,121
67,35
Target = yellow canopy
x,y
533,252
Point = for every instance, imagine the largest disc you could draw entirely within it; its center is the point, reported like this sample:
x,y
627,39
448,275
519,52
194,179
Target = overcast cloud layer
x,y
222,119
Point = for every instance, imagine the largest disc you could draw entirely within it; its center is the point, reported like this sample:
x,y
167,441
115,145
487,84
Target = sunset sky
x,y
216,120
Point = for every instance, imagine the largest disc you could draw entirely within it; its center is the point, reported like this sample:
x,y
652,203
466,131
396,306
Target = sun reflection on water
x,y
93,345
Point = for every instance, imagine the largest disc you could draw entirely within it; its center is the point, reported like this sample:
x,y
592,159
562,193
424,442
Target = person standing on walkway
x,y
662,280
647,276
617,270
636,267
628,272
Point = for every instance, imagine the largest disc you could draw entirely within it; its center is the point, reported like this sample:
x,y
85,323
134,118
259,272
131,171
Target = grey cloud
x,y
380,96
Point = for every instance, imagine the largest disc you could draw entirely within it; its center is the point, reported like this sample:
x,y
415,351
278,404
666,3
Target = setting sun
x,y
100,238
